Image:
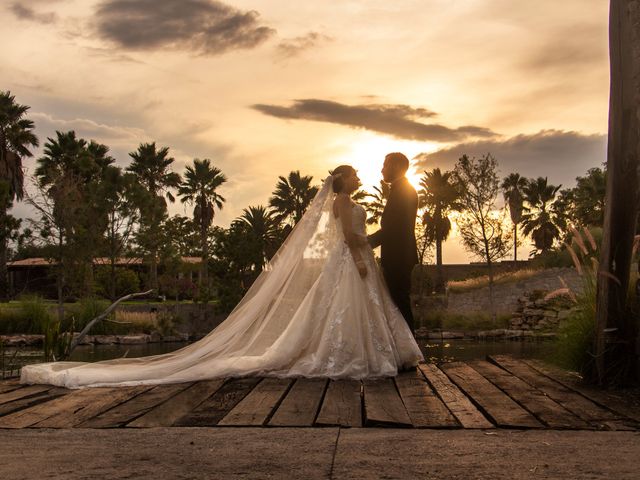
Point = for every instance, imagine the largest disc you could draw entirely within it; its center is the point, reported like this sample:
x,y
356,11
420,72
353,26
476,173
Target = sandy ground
x,y
288,453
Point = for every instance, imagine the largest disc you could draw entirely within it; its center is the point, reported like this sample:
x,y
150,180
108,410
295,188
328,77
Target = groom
x,y
397,233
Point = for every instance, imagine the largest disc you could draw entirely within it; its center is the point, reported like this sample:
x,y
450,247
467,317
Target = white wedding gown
x,y
308,314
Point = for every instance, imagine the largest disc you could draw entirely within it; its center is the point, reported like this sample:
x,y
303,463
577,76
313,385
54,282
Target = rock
x,y
155,337
533,312
105,339
133,339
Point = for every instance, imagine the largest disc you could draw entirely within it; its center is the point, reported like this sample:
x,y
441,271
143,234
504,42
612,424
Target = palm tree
x,y
16,139
375,206
151,166
513,188
260,223
540,221
292,197
199,188
439,195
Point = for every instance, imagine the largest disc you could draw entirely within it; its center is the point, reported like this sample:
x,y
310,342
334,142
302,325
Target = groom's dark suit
x,y
397,239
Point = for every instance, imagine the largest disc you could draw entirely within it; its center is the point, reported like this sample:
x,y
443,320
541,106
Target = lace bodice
x,y
359,219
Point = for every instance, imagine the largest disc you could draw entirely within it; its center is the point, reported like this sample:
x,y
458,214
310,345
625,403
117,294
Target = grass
x,y
483,281
463,322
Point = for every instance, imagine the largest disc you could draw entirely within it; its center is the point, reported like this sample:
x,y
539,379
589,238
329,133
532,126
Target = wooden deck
x,y
501,392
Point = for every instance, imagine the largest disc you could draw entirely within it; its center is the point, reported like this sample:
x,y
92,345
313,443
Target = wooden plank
x,y
614,400
545,409
383,405
501,408
423,406
165,414
9,385
572,401
342,404
455,400
27,402
31,416
23,392
214,409
137,406
256,408
300,407
109,397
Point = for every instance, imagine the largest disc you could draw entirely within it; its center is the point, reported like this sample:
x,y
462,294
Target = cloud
x,y
25,12
293,47
558,154
205,26
396,120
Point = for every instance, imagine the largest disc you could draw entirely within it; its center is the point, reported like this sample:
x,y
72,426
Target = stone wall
x,y
506,295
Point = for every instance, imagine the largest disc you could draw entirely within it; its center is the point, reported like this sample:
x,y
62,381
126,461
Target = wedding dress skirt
x,y
308,314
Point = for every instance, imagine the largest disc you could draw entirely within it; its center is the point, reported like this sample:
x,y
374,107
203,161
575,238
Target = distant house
x,y
34,275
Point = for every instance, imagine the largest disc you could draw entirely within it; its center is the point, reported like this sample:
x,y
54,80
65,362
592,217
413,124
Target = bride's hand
x,y
362,268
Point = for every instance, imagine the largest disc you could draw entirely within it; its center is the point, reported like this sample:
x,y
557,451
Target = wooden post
x,y
614,330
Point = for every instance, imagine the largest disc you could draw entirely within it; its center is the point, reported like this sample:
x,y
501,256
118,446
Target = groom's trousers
x,y
399,283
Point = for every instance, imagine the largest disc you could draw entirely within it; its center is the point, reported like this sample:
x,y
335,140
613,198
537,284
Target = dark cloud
x,y
204,26
396,120
26,12
557,154
295,46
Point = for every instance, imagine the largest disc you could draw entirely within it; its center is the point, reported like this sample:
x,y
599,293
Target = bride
x,y
319,309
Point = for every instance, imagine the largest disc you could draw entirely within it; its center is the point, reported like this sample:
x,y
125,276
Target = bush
x,y
126,281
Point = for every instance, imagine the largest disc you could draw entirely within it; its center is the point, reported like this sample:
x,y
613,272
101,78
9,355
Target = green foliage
x,y
126,281
484,231
85,310
292,197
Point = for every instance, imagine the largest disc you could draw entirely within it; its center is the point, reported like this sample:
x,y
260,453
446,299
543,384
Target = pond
x,y
434,351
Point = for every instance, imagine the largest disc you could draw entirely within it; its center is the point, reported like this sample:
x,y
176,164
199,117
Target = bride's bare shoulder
x,y
341,201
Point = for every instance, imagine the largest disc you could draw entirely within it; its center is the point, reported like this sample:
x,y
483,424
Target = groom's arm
x,y
375,239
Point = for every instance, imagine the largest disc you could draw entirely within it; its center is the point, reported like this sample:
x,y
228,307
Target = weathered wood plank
x,y
300,407
165,414
502,409
214,409
110,397
27,402
383,405
423,406
23,392
613,400
545,409
31,416
256,408
455,400
137,406
9,385
342,404
572,401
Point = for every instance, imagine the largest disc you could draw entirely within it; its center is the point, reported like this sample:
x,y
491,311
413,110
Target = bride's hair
x,y
338,174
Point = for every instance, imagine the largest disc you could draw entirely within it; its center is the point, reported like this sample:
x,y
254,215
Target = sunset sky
x,y
262,87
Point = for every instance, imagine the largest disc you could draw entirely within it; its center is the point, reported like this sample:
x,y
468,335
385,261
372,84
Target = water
x,y
435,351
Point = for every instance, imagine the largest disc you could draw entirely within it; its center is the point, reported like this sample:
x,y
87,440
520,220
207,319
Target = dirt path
x,y
185,453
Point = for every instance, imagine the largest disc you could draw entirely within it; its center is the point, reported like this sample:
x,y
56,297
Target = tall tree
x,y
152,168
71,172
16,140
262,227
440,197
540,220
616,331
200,188
513,189
119,203
292,197
482,228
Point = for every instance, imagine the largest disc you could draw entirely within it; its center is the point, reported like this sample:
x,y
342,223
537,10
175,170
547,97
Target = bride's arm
x,y
353,241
